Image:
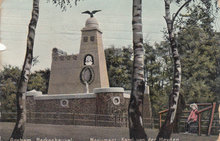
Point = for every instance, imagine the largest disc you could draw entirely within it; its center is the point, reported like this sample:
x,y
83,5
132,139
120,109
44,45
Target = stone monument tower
x,y
83,72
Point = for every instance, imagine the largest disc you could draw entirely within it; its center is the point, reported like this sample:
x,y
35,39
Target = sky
x,y
62,29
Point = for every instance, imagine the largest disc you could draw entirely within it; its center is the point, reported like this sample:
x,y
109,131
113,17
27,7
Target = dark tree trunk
x,y
136,129
22,85
167,128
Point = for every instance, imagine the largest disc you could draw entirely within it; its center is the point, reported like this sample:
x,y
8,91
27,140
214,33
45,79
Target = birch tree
x,y
167,127
22,85
136,129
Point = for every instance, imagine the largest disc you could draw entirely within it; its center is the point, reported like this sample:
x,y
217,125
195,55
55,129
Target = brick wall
x,y
100,110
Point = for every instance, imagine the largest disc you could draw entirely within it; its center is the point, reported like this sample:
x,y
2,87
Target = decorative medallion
x,y
64,103
116,100
87,75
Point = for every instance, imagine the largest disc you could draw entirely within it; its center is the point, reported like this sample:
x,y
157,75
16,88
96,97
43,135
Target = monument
x,y
79,91
84,71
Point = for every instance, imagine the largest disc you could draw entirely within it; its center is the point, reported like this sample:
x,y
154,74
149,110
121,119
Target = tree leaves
x,y
9,78
119,65
199,55
63,4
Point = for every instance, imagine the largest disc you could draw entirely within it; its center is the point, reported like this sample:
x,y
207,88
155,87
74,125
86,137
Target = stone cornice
x,y
62,96
108,90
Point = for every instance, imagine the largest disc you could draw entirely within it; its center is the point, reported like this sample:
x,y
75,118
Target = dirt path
x,y
84,133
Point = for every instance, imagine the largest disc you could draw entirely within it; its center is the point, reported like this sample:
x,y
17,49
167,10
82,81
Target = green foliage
x,y
9,103
39,80
200,58
158,70
9,78
10,72
199,50
119,65
158,67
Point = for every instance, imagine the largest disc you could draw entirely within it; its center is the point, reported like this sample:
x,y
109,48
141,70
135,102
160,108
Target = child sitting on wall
x,y
192,117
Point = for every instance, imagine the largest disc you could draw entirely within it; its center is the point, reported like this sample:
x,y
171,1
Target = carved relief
x,y
88,60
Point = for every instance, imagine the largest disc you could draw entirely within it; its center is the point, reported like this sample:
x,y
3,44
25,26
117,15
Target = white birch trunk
x,y
167,127
136,128
22,86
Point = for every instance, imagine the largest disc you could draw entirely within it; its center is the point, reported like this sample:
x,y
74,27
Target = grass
x,y
84,133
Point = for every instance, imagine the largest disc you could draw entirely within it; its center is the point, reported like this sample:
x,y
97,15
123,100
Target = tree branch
x,y
174,17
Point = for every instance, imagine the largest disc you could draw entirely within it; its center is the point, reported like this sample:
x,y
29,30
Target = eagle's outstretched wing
x,y
86,12
95,11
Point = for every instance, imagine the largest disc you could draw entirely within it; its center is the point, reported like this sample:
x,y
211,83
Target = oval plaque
x,y
87,75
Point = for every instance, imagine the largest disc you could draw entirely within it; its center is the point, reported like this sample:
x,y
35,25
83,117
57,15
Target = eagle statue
x,y
91,13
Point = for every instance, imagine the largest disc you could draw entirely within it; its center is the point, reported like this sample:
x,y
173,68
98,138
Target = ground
x,y
84,133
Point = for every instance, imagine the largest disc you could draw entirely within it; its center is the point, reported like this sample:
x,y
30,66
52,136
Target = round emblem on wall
x,y
87,75
64,103
116,100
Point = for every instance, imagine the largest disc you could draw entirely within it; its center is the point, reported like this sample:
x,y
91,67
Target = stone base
x,y
103,107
